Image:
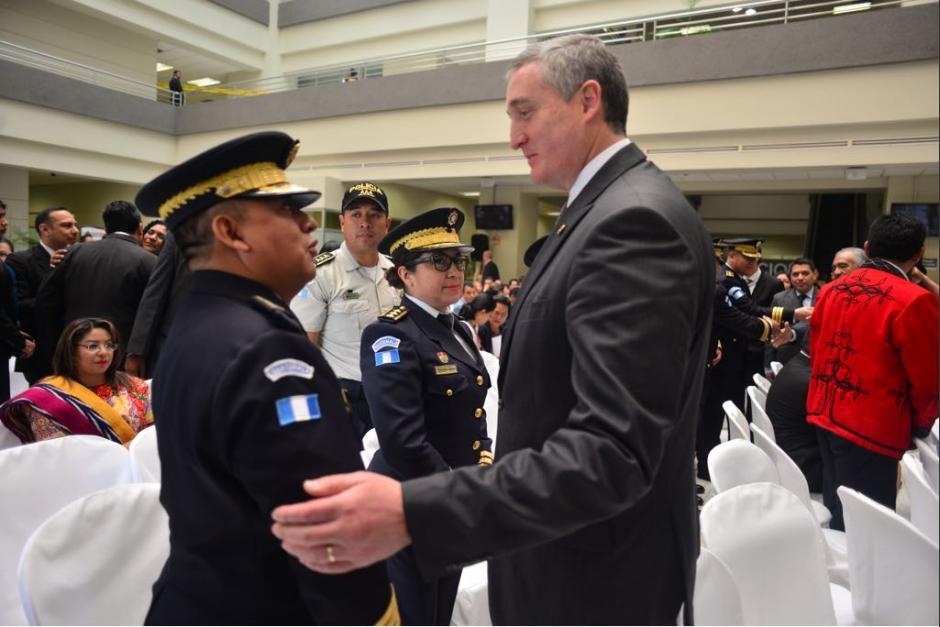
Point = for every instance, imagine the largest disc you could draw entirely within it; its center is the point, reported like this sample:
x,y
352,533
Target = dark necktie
x,y
447,320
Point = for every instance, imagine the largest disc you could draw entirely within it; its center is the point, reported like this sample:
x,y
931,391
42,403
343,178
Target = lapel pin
x,y
561,229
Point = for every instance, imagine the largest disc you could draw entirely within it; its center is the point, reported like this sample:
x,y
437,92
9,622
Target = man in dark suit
x,y
588,515
803,293
57,231
103,279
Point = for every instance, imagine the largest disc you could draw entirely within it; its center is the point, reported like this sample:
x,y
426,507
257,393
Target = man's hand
x,y
28,348
717,358
354,520
784,336
57,257
135,365
803,313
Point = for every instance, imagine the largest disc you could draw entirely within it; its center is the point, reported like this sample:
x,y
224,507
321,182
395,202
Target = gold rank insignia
x,y
452,218
324,258
442,356
395,314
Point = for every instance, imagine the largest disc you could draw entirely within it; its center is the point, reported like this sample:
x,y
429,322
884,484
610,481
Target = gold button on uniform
x,y
478,412
476,445
449,392
479,379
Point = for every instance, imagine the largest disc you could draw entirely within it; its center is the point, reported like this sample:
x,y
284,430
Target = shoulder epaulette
x,y
324,258
395,314
283,316
729,274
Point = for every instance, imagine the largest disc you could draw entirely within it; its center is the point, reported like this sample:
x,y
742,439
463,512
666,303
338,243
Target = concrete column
x,y
272,52
507,20
15,185
509,246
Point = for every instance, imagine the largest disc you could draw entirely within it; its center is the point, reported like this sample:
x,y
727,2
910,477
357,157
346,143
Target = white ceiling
x,y
193,65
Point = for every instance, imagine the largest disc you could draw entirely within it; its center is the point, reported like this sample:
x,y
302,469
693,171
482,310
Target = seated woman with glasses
x,y
86,395
425,382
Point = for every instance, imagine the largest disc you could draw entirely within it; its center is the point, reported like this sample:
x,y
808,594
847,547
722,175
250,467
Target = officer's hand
x,y
135,365
717,358
354,520
784,336
774,325
803,313
57,256
28,348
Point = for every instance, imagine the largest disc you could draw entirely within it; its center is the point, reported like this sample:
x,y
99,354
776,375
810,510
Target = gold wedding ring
x,y
329,554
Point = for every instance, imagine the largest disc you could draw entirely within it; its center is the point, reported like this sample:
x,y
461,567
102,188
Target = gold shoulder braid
x,y
324,258
395,314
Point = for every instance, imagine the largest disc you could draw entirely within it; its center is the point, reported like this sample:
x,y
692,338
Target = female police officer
x,y
425,382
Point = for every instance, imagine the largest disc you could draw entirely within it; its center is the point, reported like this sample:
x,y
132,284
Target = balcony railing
x,y
746,14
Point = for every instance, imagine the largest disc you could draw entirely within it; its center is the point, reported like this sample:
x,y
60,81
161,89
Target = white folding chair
x,y
38,480
791,477
762,383
94,562
776,367
717,600
928,458
892,565
370,445
775,552
925,505
145,460
759,415
7,438
472,605
934,436
738,462
491,402
737,423
18,383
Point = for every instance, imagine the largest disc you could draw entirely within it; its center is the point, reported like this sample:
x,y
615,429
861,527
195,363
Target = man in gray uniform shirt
x,y
350,292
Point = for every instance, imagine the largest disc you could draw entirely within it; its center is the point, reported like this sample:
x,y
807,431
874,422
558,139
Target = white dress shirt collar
x,y
431,311
593,167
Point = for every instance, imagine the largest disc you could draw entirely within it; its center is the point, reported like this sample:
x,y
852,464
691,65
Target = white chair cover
x,y
759,415
791,477
472,606
762,382
38,480
738,462
925,505
893,566
7,438
737,423
491,403
774,550
717,600
935,434
145,460
94,562
928,458
18,382
776,367
370,444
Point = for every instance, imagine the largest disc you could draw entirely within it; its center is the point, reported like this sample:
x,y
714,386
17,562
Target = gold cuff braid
x,y
766,334
777,314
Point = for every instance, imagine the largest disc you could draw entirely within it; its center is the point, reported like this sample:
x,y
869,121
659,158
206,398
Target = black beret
x,y
248,166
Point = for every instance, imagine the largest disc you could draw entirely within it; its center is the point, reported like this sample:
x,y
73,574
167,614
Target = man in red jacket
x,y
874,379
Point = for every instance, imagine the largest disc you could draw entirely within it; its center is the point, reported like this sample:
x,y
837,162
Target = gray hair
x,y
568,62
857,253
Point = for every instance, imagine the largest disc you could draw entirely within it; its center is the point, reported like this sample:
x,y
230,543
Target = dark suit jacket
x,y
169,283
588,515
31,268
791,300
786,407
103,279
11,341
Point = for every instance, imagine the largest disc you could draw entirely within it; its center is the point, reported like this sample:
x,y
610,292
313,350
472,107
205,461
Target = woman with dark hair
x,y
425,382
154,236
86,395
478,315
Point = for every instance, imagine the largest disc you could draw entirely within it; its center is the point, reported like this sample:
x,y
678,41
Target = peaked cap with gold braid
x,y
248,166
748,247
437,229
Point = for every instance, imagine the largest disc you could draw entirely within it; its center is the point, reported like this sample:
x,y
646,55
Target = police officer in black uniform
x,y
726,372
248,408
425,382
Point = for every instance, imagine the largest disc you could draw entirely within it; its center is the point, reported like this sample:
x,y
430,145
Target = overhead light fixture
x,y
470,194
737,9
204,82
856,174
487,181
163,67
851,8
750,11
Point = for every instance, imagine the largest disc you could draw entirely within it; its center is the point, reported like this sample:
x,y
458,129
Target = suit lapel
x,y
625,159
439,334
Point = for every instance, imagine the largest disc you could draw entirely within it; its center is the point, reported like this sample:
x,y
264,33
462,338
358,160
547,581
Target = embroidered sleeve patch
x,y
297,409
735,293
386,341
288,368
387,357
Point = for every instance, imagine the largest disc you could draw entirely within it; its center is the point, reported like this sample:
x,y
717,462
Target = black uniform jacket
x,y
246,409
103,279
425,393
743,300
731,326
589,514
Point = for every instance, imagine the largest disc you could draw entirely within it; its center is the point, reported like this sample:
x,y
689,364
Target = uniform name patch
x,y
297,409
735,292
386,341
288,368
442,370
387,357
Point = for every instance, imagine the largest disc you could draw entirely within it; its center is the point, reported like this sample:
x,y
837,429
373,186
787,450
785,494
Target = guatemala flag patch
x,y
297,409
387,357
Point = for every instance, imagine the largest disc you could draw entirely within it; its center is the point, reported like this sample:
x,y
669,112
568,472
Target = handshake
x,y
781,334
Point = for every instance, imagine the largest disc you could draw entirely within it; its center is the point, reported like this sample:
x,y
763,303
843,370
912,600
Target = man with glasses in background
x,y
350,291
